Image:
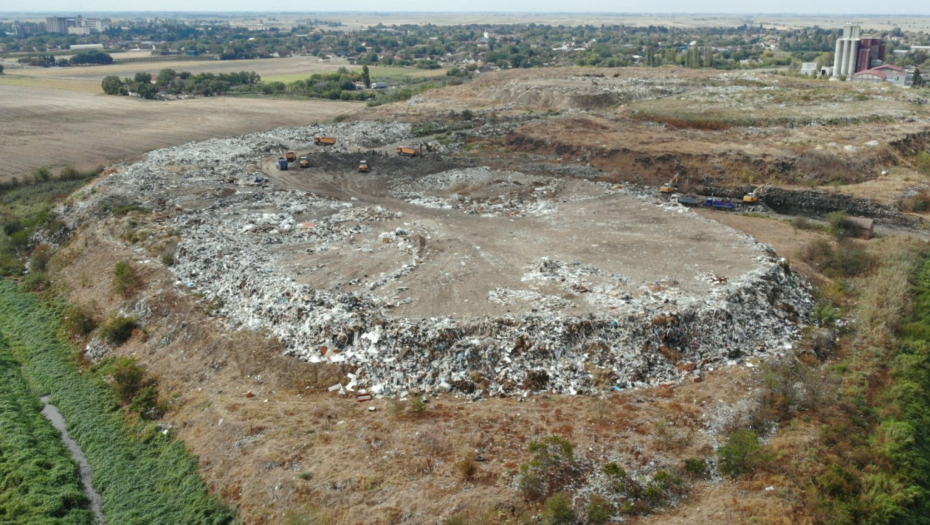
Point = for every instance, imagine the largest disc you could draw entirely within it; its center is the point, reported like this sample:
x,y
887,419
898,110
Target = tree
x,y
918,80
1,69
112,85
165,76
92,56
366,76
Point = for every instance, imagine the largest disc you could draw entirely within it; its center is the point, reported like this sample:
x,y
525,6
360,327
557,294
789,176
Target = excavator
x,y
363,167
672,185
753,196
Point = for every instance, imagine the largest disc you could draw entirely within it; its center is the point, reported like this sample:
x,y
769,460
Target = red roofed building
x,y
885,73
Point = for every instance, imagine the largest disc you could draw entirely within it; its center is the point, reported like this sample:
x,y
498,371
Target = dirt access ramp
x,y
52,127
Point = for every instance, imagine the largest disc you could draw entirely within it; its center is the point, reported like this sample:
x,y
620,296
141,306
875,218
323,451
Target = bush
x,y
468,466
695,467
145,402
741,454
128,378
125,280
118,329
78,321
923,162
847,260
599,510
559,510
841,226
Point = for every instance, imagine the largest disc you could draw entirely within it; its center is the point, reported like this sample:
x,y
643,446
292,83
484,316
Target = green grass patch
x,y
143,475
39,482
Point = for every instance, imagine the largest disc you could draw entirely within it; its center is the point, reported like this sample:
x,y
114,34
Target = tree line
x,y
171,82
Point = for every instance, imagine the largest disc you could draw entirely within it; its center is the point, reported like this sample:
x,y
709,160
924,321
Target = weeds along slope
x,y
38,480
143,475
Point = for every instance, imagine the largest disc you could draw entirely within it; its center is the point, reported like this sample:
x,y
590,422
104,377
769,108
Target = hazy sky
x,y
826,7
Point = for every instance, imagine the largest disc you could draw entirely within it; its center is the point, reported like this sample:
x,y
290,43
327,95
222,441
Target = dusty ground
x,y
478,232
52,127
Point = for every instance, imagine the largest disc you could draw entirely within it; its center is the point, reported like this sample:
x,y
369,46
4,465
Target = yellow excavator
x,y
671,186
752,197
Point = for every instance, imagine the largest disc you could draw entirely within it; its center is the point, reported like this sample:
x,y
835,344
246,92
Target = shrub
x,y
78,321
531,484
36,281
615,471
599,510
118,329
145,402
454,520
468,466
695,467
741,454
559,510
129,378
125,280
923,162
418,405
841,226
848,259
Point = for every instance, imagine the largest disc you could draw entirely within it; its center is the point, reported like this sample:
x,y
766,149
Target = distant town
x,y
889,55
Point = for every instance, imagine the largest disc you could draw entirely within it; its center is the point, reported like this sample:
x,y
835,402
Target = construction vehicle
x,y
719,204
752,197
690,200
281,163
290,156
429,146
363,167
671,186
324,141
404,151
304,162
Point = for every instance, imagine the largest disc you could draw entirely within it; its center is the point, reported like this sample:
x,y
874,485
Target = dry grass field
x,y
62,127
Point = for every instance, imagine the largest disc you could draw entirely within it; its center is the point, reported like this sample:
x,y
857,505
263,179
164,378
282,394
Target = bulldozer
x,y
671,186
363,167
304,162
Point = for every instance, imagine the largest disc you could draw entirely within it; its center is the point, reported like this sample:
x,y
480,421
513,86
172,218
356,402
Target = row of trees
x,y
171,82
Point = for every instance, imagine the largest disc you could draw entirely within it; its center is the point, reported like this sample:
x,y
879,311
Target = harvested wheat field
x,y
54,127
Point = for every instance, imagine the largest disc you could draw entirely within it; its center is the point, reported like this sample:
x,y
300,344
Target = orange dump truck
x,y
407,152
324,141
291,156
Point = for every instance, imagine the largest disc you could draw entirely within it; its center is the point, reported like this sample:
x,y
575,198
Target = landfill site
x,y
372,320
426,274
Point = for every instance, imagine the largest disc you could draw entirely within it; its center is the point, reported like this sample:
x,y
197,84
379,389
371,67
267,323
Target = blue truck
x,y
282,164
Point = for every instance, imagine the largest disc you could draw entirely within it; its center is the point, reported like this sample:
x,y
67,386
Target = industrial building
x,y
855,52
895,75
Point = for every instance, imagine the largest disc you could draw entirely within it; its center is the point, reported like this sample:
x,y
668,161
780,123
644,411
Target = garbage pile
x,y
233,242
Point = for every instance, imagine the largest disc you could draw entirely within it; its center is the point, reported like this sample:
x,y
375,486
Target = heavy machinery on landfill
x,y
752,197
363,167
404,151
281,163
304,162
671,186
291,156
324,141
